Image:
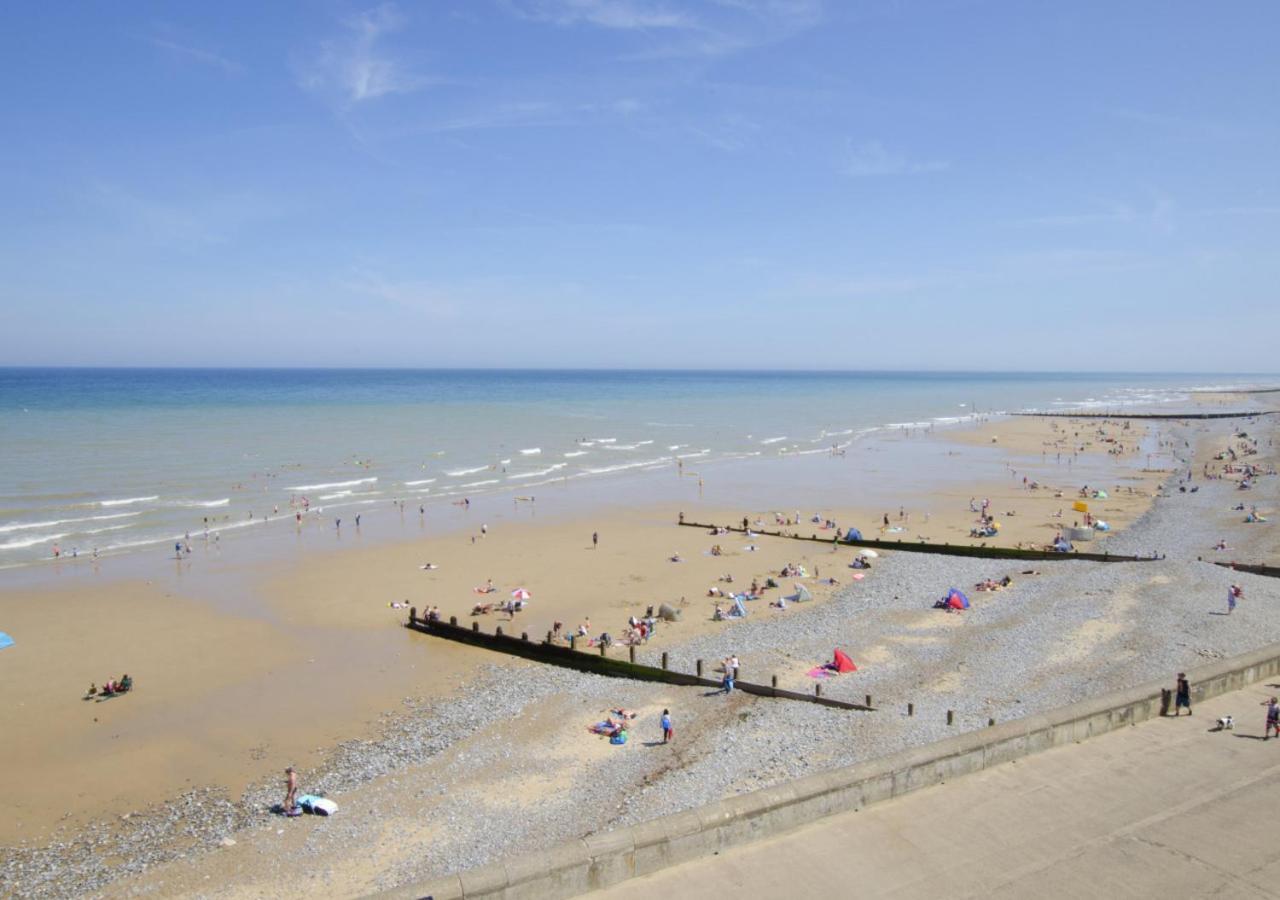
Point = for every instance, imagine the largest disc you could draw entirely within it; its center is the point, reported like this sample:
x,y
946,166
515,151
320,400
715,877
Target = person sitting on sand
x,y
584,629
486,588
675,557
714,592
625,713
482,609
780,603
715,550
727,578
92,692
108,688
718,615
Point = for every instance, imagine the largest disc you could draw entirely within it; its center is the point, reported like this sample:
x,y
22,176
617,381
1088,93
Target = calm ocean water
x,y
118,459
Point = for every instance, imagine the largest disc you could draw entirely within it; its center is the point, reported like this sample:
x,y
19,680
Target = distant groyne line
x,y
1245,414
980,552
600,662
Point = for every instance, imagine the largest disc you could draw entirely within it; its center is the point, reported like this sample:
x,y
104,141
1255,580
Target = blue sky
x,y
728,184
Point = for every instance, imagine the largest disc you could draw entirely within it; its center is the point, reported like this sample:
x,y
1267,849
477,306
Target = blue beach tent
x,y
5,640
853,534
956,599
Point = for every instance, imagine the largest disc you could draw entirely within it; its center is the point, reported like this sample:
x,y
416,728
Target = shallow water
x,y
121,460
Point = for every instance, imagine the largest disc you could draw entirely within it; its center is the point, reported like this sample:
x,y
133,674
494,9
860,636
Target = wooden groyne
x,y
599,662
979,552
1252,569
1166,416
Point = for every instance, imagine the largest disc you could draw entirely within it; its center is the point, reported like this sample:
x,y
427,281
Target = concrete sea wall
x,y
599,860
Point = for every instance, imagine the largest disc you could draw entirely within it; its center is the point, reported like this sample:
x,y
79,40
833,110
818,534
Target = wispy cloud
x,y
871,159
1168,122
164,40
707,29
356,66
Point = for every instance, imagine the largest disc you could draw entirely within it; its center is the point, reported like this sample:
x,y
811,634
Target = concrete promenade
x,y
1164,808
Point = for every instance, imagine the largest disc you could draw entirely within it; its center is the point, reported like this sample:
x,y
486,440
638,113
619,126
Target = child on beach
x,y
668,734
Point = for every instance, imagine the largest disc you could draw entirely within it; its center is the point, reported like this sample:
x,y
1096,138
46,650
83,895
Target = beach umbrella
x,y
521,594
868,553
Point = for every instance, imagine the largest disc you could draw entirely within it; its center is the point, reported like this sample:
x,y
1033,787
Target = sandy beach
x,y
244,663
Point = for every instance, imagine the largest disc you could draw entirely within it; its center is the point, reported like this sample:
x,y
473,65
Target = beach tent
x,y
521,594
853,534
1080,506
739,608
668,613
842,663
956,599
5,640
801,595
1101,495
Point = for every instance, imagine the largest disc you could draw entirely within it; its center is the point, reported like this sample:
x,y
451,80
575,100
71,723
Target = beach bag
x,y
619,738
318,806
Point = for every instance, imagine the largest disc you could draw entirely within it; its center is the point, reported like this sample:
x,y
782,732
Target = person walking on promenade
x,y
1182,695
1273,718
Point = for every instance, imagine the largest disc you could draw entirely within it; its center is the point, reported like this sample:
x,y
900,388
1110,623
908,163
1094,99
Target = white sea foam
x,y
676,446
199,504
335,496
774,440
127,500
479,483
538,473
622,446
692,455
531,451
643,443
606,440
418,482
108,528
459,473
33,541
53,523
573,453
624,466
504,462
333,484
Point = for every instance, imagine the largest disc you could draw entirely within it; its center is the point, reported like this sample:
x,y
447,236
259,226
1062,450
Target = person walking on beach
x,y
1234,593
668,734
290,790
1182,695
1273,718
595,540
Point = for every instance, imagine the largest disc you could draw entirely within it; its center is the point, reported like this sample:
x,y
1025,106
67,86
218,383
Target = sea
x,y
112,461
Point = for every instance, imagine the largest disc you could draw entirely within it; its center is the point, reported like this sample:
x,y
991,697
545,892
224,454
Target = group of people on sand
x,y
111,687
617,729
988,584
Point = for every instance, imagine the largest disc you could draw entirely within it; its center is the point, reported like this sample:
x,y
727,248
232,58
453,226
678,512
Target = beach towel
x,y
858,576
5,640
819,672
317,805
